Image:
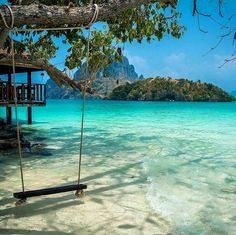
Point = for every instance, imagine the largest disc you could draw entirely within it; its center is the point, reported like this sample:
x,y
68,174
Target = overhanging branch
x,y
55,16
61,78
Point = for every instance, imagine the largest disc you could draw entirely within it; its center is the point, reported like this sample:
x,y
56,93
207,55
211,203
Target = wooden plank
x,y
26,103
7,141
49,191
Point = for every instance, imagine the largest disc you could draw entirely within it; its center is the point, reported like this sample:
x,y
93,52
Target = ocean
x,y
186,151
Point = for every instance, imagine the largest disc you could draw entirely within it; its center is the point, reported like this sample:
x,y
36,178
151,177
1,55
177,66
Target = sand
x,y
115,201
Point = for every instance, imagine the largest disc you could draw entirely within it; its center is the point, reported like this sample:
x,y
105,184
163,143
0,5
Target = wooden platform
x,y
27,94
22,103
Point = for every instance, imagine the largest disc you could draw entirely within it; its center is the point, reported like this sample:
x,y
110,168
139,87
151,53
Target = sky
x,y
185,57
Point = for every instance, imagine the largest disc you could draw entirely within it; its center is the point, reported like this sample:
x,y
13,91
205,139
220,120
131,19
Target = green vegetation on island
x,y
168,89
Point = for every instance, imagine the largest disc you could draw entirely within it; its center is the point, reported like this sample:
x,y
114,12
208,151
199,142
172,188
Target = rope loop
x,y
95,16
4,19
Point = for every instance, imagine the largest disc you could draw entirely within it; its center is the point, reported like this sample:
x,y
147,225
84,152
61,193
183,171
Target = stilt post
x,y
29,115
29,80
9,97
9,115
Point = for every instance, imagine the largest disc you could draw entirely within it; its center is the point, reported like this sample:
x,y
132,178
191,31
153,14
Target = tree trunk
x,y
38,15
55,16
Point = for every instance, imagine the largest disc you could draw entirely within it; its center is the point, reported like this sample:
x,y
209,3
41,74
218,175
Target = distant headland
x,y
123,83
169,89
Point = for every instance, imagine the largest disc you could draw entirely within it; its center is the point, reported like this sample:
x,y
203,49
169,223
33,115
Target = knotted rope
x,y
11,28
4,20
80,192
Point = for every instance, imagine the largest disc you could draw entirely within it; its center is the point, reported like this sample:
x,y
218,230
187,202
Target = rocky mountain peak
x,y
116,74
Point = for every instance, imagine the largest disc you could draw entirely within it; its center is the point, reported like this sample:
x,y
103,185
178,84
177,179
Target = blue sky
x,y
184,58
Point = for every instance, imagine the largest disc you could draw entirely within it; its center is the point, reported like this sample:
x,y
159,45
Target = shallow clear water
x,y
187,150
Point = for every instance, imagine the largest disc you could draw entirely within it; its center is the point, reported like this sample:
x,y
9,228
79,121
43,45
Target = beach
x,y
114,203
150,168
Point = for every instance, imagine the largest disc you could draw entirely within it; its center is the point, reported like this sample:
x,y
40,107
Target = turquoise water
x,y
187,153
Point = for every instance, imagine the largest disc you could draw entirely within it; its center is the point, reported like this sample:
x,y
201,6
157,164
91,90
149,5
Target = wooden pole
x,y
29,115
45,92
9,115
29,80
9,97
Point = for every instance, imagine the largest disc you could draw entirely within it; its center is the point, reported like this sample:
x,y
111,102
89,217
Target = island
x,y
169,89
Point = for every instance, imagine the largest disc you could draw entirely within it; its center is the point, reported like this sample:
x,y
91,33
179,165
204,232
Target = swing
x,y
47,191
22,196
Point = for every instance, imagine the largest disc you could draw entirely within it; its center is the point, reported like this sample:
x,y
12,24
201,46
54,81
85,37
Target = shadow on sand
x,y
45,205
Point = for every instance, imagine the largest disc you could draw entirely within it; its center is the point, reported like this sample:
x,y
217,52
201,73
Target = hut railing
x,y
34,93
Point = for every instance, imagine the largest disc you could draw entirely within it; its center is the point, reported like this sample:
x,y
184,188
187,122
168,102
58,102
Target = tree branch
x,y
54,16
27,2
61,78
232,59
21,2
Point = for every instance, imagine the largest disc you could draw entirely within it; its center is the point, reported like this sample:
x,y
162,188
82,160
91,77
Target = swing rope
x,y
16,114
10,27
4,20
12,30
15,102
84,89
83,106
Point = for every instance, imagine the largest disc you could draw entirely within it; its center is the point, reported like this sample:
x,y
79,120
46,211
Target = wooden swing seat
x,y
49,191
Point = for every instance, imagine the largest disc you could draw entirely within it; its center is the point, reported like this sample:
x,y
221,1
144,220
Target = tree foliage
x,y
124,21
148,22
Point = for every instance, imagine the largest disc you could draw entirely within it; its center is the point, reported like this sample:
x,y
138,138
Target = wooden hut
x,y
28,94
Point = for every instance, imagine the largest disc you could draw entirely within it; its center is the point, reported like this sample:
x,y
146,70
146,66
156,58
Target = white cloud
x,y
181,66
139,62
167,72
176,65
175,58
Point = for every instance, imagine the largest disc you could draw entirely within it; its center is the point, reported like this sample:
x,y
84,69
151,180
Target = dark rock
x,y
8,137
2,123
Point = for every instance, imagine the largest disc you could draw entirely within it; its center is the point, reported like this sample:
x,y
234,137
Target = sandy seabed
x,y
115,201
151,168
